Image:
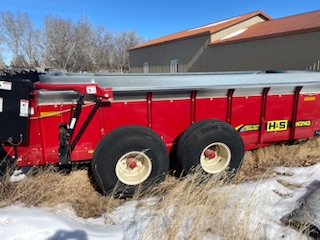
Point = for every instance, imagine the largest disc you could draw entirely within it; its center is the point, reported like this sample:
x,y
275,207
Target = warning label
x,y
24,108
5,85
91,89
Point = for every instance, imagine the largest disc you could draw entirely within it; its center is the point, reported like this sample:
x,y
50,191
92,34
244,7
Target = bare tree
x,y
20,37
122,42
32,46
19,61
83,35
77,47
61,43
2,63
101,46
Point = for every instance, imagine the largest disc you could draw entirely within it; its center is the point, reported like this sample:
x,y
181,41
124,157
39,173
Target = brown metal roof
x,y
305,22
206,29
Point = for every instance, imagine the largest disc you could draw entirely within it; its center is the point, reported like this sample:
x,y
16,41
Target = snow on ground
x,y
271,200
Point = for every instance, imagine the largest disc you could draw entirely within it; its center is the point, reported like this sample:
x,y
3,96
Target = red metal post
x,y
193,106
229,105
149,109
294,111
263,113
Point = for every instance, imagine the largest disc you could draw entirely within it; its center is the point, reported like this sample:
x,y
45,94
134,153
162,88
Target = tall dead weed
x,y
48,188
199,206
259,163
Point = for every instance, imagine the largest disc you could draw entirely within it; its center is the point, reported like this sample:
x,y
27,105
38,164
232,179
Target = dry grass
x,y
197,207
196,196
260,162
48,188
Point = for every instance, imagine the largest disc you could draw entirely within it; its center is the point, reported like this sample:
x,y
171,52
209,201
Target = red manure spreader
x,y
134,127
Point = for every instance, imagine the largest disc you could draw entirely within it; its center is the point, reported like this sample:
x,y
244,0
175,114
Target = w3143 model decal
x,y
273,125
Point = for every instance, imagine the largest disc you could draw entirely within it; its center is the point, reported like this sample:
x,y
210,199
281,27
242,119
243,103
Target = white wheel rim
x,y
136,175
219,162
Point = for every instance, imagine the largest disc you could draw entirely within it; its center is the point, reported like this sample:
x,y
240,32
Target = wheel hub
x,y
215,158
209,153
131,162
133,168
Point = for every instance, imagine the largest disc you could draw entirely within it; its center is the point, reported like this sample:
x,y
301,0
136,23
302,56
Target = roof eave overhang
x,y
209,31
214,44
173,40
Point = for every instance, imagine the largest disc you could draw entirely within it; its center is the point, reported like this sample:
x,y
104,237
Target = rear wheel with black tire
x,y
213,144
129,157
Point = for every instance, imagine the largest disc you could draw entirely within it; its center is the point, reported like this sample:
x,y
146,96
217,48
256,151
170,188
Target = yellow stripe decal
x,y
309,98
47,114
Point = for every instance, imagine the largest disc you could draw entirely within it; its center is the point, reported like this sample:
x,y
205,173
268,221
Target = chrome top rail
x,y
190,81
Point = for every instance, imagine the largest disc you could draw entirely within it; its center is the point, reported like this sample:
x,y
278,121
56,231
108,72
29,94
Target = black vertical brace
x,y
64,149
85,124
73,120
66,132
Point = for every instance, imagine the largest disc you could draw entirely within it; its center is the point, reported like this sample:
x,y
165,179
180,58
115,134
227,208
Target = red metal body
x,y
262,117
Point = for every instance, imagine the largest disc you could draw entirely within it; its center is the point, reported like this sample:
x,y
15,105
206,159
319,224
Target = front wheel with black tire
x,y
213,144
129,157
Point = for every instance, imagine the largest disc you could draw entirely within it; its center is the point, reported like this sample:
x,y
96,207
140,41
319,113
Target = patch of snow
x,y
268,201
20,174
17,176
24,223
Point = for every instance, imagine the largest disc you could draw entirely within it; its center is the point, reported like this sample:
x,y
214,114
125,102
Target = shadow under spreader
x,y
69,235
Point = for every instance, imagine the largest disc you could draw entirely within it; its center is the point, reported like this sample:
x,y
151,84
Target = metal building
x,y
253,41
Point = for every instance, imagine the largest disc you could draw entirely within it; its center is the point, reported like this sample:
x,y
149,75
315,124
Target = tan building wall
x,y
225,32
